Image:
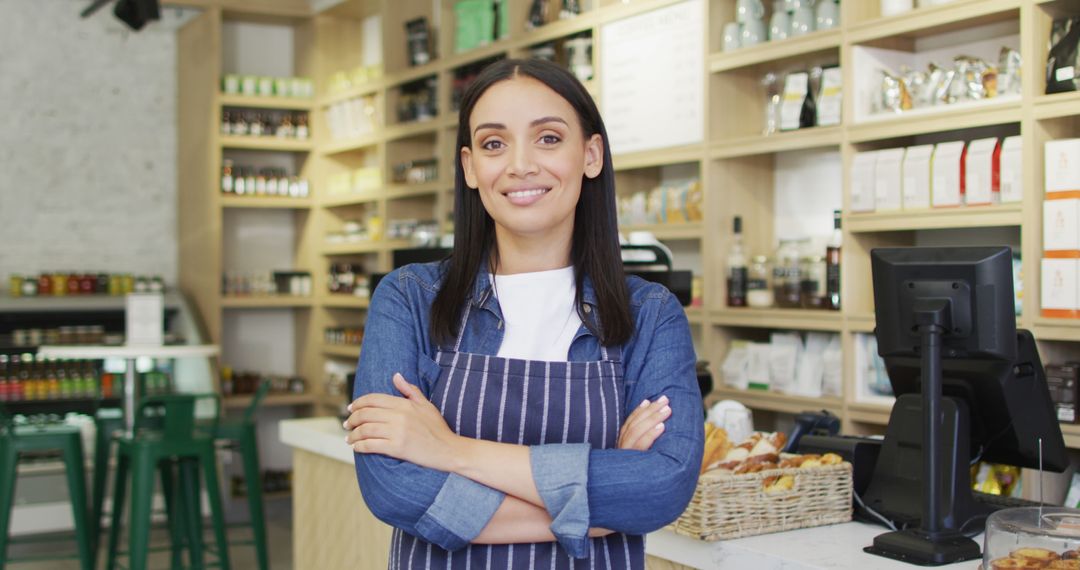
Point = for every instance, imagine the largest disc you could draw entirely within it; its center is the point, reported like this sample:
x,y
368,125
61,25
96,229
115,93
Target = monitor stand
x,y
924,461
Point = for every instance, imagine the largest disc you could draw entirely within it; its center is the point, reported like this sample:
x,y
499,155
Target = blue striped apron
x,y
527,402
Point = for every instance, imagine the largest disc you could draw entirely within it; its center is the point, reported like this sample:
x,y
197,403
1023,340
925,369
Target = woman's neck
x,y
520,254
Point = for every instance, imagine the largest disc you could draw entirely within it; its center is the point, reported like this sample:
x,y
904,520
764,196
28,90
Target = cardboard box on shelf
x,y
1061,225
863,188
1062,166
981,172
916,176
888,180
1059,288
947,186
1062,380
1012,185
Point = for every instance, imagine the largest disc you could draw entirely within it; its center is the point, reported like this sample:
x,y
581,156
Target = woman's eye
x,y
492,145
550,139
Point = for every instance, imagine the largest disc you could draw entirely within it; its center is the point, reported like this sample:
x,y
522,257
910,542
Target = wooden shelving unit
x,y
342,351
735,163
271,400
277,202
265,302
255,102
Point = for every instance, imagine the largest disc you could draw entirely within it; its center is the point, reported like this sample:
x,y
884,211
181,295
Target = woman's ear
x,y
594,156
466,167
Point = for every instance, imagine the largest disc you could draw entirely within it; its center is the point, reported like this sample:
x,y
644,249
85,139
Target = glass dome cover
x,y
1032,537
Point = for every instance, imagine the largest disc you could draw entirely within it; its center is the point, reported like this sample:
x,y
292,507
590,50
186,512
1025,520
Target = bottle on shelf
x,y
736,263
759,294
832,265
787,279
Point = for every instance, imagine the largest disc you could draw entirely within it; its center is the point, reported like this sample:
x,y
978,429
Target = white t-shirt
x,y
538,314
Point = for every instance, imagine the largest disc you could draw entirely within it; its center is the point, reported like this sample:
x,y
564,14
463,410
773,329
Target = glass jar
x,y
787,282
15,285
813,281
759,293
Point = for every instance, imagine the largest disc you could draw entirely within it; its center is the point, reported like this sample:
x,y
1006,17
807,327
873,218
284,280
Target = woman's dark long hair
x,y
594,249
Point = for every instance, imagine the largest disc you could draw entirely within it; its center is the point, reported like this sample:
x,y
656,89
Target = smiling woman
x,y
524,404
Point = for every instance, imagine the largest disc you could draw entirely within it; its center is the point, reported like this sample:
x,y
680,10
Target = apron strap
x,y
613,354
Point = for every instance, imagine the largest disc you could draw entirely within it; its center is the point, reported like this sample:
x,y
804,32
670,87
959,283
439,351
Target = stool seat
x,y
68,441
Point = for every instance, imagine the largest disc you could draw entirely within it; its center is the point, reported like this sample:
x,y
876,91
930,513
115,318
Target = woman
x,y
524,404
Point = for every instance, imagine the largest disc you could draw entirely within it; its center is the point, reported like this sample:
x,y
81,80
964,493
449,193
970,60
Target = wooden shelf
x,y
1071,432
874,414
284,103
667,232
659,157
413,129
342,350
477,54
776,401
345,200
233,201
410,74
861,322
369,88
265,302
802,139
695,315
265,143
793,319
399,191
934,20
1057,105
1000,215
340,147
343,301
1056,329
558,29
332,401
775,51
365,247
270,401
958,116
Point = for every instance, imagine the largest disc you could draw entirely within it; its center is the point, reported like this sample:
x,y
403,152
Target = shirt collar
x,y
482,290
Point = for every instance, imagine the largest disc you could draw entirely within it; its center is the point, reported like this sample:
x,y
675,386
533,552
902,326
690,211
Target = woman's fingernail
x,y
659,427
665,410
663,399
345,424
349,407
644,403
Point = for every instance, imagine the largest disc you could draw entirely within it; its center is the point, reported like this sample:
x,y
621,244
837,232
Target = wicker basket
x,y
732,506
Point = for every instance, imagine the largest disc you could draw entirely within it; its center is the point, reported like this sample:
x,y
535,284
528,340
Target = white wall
x,y
88,142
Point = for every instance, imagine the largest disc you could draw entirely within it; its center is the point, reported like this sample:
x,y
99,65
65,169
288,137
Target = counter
x,y
332,527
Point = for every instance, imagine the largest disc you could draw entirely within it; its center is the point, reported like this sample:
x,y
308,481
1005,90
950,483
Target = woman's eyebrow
x,y
540,121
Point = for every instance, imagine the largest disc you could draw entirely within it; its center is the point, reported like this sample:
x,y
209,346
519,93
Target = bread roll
x,y
1071,564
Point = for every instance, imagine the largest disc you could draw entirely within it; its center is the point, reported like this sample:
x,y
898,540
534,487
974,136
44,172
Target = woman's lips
x,y
526,197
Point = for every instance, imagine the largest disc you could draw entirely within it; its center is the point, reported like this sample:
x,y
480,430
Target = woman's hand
x,y
408,428
644,425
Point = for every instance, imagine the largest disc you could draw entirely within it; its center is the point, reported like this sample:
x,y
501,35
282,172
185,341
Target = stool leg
x,y
102,448
9,458
249,452
142,493
119,491
213,490
192,509
75,464
173,513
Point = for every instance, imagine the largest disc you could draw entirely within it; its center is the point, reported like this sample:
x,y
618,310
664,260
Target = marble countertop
x,y
323,436
834,547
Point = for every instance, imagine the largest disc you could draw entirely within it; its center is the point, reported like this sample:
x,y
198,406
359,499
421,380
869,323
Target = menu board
x,y
652,74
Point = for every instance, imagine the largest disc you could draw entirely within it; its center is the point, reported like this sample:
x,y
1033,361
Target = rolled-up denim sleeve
x,y
637,492
630,491
444,509
561,475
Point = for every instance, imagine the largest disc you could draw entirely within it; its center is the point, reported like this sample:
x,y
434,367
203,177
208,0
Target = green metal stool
x,y
240,437
178,444
15,439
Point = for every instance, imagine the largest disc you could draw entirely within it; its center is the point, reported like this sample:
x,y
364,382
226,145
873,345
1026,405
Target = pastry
x,y
779,484
1071,564
1013,564
737,454
831,459
1039,555
762,447
1070,555
716,447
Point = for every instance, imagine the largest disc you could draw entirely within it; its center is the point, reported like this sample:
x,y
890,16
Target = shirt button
x,y
588,309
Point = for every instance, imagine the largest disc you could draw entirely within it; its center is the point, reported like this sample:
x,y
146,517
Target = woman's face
x,y
527,159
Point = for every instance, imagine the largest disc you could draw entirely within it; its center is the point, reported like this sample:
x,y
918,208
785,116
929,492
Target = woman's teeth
x,y
527,193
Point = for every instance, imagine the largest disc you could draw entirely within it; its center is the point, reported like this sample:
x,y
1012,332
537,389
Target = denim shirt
x,y
628,491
